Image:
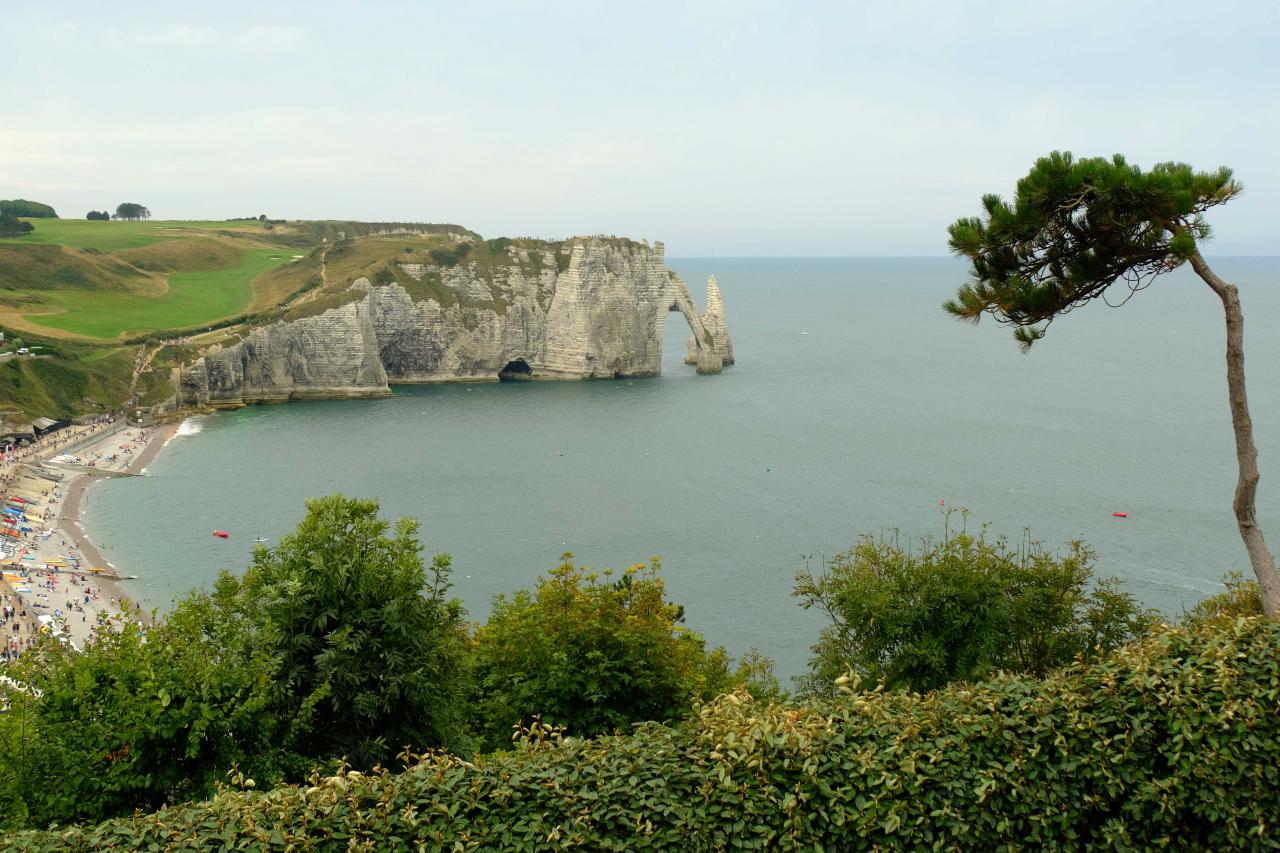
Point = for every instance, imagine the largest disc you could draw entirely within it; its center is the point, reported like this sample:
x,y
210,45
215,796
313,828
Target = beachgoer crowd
x,y
41,578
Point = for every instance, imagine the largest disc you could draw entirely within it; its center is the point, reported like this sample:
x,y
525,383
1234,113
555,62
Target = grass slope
x,y
193,298
110,236
63,385
41,268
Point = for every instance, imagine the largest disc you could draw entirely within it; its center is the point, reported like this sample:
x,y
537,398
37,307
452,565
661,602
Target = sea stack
x,y
713,321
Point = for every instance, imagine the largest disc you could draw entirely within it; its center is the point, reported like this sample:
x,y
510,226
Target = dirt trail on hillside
x,y
314,292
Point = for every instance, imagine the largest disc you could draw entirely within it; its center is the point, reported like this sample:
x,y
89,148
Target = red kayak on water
x,y
1120,514
221,534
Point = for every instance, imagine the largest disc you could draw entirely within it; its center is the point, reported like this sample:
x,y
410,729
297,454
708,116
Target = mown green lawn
x,y
194,298
108,236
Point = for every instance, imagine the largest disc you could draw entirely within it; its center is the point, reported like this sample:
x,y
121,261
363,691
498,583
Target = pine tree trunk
x,y
1264,564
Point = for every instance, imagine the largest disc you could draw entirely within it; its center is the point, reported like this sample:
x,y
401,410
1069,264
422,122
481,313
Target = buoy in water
x,y
1120,514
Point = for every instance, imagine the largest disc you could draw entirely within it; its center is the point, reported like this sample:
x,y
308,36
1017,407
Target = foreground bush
x,y
1170,742
589,654
960,609
339,642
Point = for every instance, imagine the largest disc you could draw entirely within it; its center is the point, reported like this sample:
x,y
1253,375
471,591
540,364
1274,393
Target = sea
x,y
856,407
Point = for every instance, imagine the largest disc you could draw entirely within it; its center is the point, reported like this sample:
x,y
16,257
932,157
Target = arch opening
x,y
517,370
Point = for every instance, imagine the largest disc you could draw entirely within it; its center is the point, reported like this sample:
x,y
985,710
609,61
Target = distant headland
x,y
154,317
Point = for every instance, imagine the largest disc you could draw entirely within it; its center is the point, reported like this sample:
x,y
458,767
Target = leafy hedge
x,y
1171,742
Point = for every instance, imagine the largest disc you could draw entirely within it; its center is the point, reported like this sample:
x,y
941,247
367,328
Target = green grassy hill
x,y
191,298
111,280
110,236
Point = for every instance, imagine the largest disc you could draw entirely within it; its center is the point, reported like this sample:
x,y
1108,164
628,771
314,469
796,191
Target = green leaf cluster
x,y
369,651
960,609
1241,598
1074,228
589,653
1172,742
147,717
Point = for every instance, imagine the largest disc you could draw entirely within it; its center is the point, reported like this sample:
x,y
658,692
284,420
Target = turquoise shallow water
x,y
863,425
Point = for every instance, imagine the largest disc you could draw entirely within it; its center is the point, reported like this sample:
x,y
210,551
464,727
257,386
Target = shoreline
x,y
71,518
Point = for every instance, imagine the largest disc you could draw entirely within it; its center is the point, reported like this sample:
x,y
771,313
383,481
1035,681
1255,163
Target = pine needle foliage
x,y
1073,229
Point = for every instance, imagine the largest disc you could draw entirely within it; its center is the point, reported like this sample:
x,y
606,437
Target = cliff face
x,y
600,312
332,356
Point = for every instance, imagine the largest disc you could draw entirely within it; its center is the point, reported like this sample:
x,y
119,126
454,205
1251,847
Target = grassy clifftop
x,y
110,280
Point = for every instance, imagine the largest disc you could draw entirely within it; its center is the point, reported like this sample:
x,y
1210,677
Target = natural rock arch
x,y
709,345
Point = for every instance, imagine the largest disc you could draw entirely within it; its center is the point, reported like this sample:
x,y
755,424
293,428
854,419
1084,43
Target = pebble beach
x,y
53,579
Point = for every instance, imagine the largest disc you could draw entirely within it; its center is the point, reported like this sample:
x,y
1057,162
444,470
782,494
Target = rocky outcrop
x,y
713,322
588,308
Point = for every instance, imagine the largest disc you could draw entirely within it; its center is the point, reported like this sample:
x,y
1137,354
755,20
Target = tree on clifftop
x,y
12,226
1074,229
131,211
27,208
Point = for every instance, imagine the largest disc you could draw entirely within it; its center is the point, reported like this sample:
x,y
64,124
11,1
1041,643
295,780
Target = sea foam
x,y
190,426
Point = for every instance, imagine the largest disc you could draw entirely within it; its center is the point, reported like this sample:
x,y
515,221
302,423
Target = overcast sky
x,y
721,128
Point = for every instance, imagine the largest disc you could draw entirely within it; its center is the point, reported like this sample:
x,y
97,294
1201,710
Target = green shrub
x,y
961,609
1242,598
144,717
339,642
590,653
369,651
1171,742
451,257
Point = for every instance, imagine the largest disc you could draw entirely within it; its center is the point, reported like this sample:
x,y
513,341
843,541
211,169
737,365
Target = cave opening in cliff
x,y
516,371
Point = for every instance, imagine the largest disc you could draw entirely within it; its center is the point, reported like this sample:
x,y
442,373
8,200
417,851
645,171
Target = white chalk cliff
x,y
589,308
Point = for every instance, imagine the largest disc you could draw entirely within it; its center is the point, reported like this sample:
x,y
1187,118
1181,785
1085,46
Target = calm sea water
x,y
856,407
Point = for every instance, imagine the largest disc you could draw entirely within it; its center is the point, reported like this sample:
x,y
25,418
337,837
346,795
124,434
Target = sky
x,y
721,128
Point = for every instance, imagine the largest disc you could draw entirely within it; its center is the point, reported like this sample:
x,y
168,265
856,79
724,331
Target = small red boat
x,y
220,533
1120,514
